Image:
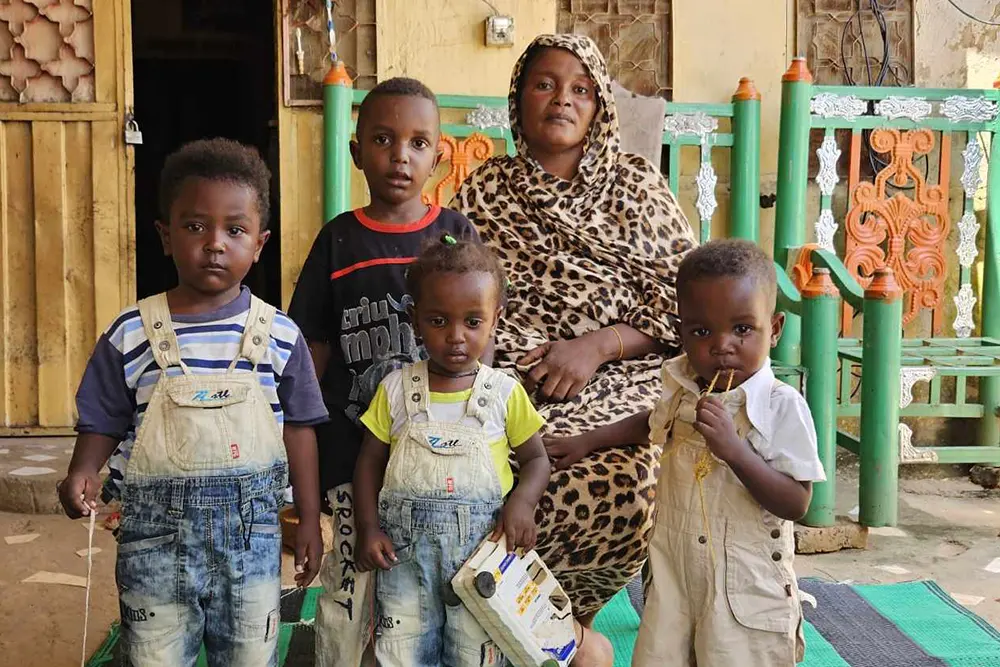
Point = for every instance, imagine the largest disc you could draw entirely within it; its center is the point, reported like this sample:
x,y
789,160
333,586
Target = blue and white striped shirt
x,y
122,373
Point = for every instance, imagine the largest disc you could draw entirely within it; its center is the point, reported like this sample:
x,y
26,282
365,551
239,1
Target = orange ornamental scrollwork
x,y
459,155
802,268
906,230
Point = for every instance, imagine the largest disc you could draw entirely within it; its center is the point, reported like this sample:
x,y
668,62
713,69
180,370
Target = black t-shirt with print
x,y
352,295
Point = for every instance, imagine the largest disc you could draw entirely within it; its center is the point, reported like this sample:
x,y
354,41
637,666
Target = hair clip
x,y
448,239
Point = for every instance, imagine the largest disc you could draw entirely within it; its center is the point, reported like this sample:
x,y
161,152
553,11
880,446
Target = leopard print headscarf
x,y
584,254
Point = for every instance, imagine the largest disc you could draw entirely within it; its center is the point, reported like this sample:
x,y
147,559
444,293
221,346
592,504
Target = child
x,y
433,473
352,305
193,391
738,466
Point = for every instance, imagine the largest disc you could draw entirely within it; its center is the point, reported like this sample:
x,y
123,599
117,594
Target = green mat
x,y
913,624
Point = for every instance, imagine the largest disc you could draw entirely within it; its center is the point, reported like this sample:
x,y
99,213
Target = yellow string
x,y
704,466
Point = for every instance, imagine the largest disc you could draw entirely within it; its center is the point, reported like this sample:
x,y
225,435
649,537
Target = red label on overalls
x,y
234,449
450,484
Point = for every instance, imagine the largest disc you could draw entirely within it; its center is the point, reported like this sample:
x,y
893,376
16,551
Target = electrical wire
x,y
877,79
974,18
496,12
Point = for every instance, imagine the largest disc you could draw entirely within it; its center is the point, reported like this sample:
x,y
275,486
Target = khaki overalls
x,y
738,607
199,552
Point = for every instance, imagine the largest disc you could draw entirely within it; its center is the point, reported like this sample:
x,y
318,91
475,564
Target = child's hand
x,y
564,452
308,551
517,522
78,493
715,424
375,550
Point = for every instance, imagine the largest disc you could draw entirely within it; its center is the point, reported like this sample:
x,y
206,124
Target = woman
x,y
591,239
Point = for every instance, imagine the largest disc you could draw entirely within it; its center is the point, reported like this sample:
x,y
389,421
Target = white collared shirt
x,y
784,434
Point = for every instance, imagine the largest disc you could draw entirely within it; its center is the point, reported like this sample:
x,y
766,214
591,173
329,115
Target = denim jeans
x,y
199,559
421,622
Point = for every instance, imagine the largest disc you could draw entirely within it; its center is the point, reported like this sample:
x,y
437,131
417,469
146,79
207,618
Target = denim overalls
x,y
439,501
723,590
199,553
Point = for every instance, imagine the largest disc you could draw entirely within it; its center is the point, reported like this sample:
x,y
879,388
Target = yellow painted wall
x,y
442,42
715,42
953,51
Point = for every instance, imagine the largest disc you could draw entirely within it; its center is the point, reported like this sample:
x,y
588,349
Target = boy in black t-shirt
x,y
352,307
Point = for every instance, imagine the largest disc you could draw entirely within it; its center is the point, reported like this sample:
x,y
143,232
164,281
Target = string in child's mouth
x,y
729,383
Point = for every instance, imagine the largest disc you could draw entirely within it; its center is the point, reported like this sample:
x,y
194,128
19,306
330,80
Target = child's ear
x,y
356,153
777,325
164,231
412,312
261,240
438,156
496,320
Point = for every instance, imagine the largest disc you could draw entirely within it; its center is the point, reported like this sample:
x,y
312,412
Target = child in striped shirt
x,y
204,398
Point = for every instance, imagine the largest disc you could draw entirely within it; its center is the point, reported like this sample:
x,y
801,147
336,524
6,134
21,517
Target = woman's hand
x,y
565,368
564,452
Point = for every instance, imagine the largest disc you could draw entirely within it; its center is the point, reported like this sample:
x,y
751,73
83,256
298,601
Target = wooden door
x,y
66,226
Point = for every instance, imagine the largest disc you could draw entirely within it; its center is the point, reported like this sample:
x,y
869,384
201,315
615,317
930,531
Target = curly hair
x,y
729,258
216,160
451,256
398,86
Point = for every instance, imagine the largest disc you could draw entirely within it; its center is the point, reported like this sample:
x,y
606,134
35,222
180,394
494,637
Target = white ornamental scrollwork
x,y
965,301
484,117
967,251
972,157
826,229
958,108
699,124
908,377
828,105
828,154
706,181
914,108
910,454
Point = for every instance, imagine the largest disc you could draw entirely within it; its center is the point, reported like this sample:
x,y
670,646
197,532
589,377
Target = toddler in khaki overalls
x,y
737,469
738,462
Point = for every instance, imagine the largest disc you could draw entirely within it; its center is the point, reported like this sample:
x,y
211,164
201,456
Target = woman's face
x,y
558,102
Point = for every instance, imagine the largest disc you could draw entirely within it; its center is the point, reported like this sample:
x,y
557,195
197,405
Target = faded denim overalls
x,y
199,553
723,592
439,501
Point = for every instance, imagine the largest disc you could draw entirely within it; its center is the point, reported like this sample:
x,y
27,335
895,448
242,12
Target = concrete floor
x,y
948,531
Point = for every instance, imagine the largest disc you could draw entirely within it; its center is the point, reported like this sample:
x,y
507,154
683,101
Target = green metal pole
x,y
336,142
793,176
880,349
744,202
989,388
820,314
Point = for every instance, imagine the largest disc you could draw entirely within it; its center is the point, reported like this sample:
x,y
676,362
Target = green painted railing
x,y
882,351
686,124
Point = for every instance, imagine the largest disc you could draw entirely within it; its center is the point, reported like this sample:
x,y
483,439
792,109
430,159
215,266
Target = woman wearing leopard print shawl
x,y
591,238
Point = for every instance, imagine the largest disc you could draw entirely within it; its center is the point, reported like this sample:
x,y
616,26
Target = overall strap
x,y
485,391
256,333
416,390
155,315
673,409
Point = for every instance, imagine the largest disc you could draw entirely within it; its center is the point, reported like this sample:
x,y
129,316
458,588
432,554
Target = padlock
x,y
133,137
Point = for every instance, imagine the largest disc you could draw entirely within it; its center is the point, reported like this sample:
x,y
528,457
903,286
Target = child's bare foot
x,y
595,650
